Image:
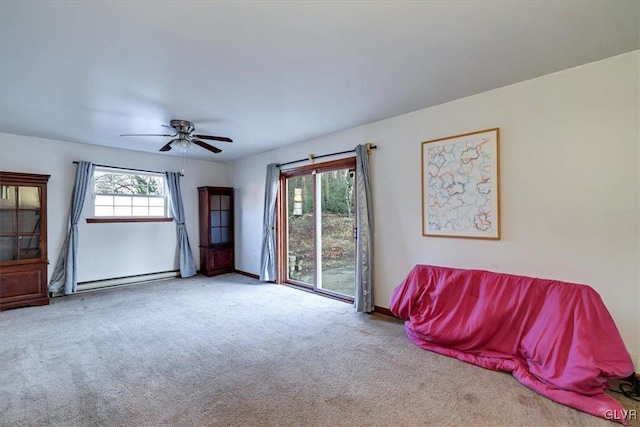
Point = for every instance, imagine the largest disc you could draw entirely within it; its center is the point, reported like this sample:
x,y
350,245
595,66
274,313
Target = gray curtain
x,y
268,254
65,276
363,301
187,265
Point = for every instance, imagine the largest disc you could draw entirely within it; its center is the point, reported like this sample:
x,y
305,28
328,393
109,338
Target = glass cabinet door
x,y
220,214
8,222
20,222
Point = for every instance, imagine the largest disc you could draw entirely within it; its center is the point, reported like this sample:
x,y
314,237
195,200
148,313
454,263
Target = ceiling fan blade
x,y
144,134
214,138
206,146
167,146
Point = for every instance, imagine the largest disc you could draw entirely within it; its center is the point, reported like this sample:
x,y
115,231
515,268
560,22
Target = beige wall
x,y
569,185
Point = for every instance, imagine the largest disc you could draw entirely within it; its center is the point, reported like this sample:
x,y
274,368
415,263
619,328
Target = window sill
x,y
137,219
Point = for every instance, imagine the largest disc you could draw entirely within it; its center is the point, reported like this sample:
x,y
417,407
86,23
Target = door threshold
x,y
320,292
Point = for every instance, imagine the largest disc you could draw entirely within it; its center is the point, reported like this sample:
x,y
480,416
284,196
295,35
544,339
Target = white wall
x,y
569,185
109,250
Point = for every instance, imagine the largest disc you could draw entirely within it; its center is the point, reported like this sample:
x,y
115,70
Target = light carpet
x,y
233,351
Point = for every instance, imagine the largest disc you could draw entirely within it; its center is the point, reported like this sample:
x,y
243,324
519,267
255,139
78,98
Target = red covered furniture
x,y
556,338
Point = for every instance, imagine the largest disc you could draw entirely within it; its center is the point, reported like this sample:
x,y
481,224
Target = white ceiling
x,y
269,74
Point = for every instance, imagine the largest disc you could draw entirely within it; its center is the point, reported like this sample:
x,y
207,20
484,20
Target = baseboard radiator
x,y
124,281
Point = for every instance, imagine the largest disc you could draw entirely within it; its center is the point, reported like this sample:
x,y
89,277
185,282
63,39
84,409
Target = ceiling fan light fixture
x,y
186,138
180,144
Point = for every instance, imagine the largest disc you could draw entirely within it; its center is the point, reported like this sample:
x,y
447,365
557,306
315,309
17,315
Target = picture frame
x,y
461,186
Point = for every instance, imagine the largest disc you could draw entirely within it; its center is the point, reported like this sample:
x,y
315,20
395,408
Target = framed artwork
x,y
461,186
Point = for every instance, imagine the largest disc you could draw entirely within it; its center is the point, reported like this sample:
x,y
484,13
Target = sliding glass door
x,y
336,232
320,227
301,252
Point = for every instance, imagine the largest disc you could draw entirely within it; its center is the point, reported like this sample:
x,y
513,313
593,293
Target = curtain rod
x,y
126,169
312,157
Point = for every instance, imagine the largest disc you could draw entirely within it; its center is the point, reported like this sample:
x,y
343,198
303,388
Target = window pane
x,y
122,201
156,201
156,185
104,200
102,182
123,184
156,211
139,184
215,235
225,203
140,211
122,211
104,211
140,201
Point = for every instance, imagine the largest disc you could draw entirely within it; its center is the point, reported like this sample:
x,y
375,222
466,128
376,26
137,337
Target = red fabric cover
x,y
556,338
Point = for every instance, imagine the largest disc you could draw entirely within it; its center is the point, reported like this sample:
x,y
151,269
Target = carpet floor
x,y
232,351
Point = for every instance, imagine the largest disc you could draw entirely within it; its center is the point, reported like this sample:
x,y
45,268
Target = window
x,y
126,194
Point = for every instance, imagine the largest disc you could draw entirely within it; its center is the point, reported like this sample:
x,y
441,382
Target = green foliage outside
x,y
337,192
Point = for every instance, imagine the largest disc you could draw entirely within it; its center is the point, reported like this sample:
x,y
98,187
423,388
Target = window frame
x,y
166,217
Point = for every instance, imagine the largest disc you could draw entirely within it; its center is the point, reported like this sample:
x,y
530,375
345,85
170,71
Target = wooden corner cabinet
x,y
23,240
216,230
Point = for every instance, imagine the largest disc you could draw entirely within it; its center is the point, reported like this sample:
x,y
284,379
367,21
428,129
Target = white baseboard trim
x,y
124,281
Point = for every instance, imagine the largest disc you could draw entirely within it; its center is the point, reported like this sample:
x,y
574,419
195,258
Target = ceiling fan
x,y
185,136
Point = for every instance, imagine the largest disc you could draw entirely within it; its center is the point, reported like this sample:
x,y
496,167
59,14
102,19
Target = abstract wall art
x,y
460,186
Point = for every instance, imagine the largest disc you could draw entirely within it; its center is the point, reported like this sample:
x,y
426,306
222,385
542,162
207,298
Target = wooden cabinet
x,y
216,230
23,240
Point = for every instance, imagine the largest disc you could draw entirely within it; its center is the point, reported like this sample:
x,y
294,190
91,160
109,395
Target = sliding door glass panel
x,y
300,224
337,222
